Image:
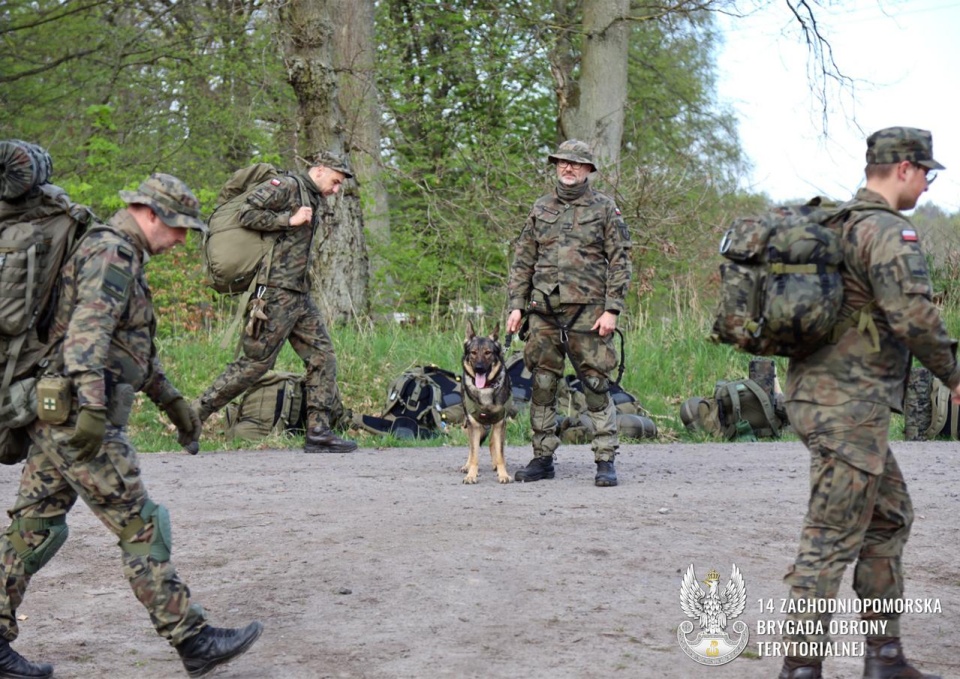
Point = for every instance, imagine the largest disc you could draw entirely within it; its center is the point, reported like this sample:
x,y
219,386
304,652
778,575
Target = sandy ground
x,y
382,564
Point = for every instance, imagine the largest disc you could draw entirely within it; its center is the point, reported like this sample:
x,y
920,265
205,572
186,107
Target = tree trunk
x,y
354,46
307,33
593,109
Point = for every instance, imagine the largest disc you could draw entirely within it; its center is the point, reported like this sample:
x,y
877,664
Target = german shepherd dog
x,y
486,393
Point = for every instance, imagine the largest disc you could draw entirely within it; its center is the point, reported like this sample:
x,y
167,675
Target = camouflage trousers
x,y
592,356
859,510
110,484
290,316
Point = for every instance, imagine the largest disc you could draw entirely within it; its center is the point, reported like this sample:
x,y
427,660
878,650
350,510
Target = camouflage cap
x,y
575,151
333,161
896,144
170,198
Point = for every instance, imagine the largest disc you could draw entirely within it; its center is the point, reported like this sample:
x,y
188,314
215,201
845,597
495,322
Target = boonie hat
x,y
334,161
896,144
170,198
575,151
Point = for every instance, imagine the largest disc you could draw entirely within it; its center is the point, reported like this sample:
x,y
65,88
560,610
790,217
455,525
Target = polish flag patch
x,y
908,236
617,210
275,182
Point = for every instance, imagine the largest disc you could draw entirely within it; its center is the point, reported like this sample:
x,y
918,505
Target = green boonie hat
x,y
334,162
896,144
575,151
170,198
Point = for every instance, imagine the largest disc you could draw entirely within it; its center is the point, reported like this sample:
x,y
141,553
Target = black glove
x,y
88,435
187,422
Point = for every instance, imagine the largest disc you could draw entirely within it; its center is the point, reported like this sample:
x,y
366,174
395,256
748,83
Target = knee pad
x,y
159,547
544,391
597,392
34,558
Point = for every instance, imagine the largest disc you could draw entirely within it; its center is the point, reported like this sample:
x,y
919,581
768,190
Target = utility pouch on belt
x,y
120,405
54,396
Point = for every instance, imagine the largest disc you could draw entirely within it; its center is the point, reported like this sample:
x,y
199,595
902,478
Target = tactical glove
x,y
88,435
187,422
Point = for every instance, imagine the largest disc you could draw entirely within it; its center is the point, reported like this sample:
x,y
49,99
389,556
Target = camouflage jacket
x,y
582,246
105,314
884,264
269,208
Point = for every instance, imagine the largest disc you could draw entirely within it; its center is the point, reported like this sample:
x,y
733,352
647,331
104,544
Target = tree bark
x,y
307,30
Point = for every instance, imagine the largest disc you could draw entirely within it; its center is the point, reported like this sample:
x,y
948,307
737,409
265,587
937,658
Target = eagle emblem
x,y
712,609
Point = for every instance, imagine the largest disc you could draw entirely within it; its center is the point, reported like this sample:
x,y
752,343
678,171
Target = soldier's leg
x,y
259,353
37,530
879,571
310,339
544,358
595,358
111,486
844,444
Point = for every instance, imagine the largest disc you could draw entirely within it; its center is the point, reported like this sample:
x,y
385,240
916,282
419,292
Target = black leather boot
x,y
538,468
214,646
795,668
15,666
885,660
606,473
323,440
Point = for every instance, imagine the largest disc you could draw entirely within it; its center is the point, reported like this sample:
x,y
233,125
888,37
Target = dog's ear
x,y
470,332
496,332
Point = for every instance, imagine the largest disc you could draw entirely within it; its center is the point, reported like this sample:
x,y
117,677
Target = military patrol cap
x,y
896,144
334,161
170,198
575,151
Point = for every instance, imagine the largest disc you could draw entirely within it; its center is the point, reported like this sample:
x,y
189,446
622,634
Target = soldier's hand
x,y
513,321
304,215
188,424
606,324
88,435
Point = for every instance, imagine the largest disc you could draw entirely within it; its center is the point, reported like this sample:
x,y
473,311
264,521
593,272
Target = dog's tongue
x,y
480,379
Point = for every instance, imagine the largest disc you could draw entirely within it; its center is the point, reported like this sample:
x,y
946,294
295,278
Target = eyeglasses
x,y
569,163
929,174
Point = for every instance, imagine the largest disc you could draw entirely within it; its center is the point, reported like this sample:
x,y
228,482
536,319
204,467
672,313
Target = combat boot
x,y
885,660
321,439
798,668
538,468
606,473
15,666
214,646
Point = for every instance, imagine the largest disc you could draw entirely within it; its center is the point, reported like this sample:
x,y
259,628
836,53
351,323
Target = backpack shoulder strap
x,y
768,411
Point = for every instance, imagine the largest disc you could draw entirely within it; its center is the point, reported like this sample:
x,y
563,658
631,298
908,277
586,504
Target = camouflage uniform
x,y
571,263
840,399
105,316
284,293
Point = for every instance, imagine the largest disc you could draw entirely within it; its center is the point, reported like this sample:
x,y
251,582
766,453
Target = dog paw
x,y
504,479
470,478
464,469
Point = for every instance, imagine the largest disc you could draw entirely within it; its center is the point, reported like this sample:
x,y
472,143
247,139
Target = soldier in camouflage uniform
x,y
282,308
570,274
105,318
839,401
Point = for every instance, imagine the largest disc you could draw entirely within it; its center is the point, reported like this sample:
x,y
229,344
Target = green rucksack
x,y
740,410
232,255
928,410
421,403
38,232
781,291
275,402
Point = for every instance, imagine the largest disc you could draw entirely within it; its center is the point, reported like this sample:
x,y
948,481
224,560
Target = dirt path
x,y
381,564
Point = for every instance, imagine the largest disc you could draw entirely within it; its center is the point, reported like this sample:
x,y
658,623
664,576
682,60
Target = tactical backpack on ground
x,y
928,411
274,403
740,410
574,425
232,254
421,403
38,231
781,291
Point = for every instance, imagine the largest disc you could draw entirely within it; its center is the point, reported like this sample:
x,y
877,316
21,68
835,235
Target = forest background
x,y
447,109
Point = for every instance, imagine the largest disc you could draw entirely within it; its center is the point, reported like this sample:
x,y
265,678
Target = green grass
x,y
668,359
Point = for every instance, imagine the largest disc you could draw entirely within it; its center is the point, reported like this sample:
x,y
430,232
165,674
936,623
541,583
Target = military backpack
x,y
928,410
781,289
232,254
275,403
38,231
421,403
740,410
